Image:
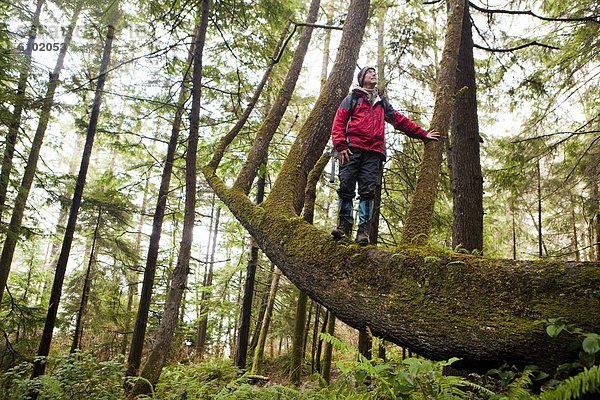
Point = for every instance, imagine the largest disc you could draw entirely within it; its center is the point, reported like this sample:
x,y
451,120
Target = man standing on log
x,y
358,136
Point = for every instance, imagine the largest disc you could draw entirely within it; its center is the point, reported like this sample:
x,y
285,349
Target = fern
x,y
585,382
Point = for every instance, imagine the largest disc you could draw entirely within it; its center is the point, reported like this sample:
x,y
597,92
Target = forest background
x,y
538,128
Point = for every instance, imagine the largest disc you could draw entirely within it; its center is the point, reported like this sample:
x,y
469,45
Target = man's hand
x,y
433,135
344,156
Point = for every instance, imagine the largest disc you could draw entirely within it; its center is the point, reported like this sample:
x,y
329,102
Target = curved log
x,y
438,303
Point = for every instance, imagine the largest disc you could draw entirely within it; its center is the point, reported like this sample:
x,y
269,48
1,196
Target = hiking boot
x,y
341,231
362,235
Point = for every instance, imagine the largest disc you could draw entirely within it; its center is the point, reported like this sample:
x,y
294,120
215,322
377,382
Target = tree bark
x,y
39,366
134,358
419,219
19,104
257,360
14,228
160,350
467,180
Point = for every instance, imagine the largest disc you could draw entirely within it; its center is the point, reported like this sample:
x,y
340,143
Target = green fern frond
x,y
585,382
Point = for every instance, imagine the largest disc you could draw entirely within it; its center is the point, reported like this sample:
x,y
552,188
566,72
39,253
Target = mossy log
x,y
438,303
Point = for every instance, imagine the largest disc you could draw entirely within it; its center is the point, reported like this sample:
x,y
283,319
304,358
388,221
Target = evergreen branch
x,y
534,43
592,18
552,134
339,28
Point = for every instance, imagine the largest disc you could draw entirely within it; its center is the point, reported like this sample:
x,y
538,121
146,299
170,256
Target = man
x,y
358,135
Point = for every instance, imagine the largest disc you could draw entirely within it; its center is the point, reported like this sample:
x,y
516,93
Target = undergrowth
x,y
81,376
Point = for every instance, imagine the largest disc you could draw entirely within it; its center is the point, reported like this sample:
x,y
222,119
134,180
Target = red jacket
x,y
366,128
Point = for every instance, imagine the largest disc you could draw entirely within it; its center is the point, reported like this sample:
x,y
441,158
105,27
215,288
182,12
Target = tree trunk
x,y
596,202
158,355
246,313
132,276
365,344
261,311
438,303
19,104
139,330
298,343
539,211
14,228
257,360
314,360
417,227
39,366
318,364
85,293
328,349
467,180
575,240
203,323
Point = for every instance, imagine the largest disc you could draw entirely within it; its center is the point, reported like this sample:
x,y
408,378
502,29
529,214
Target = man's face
x,y
370,79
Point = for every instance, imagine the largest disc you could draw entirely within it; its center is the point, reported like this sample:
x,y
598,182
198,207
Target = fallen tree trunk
x,y
437,303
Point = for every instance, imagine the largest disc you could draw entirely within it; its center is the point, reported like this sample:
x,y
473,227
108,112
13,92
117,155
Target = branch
x,y
227,139
534,43
339,28
593,18
551,134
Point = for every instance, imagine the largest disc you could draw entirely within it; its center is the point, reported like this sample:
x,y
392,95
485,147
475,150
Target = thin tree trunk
x,y
539,211
257,360
307,328
14,228
246,312
596,202
514,233
467,179
132,276
298,343
85,293
158,355
327,42
365,344
19,104
314,360
320,341
328,349
134,358
575,240
419,219
261,311
203,325
40,366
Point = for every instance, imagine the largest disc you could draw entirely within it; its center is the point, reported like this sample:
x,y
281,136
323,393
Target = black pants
x,y
362,169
